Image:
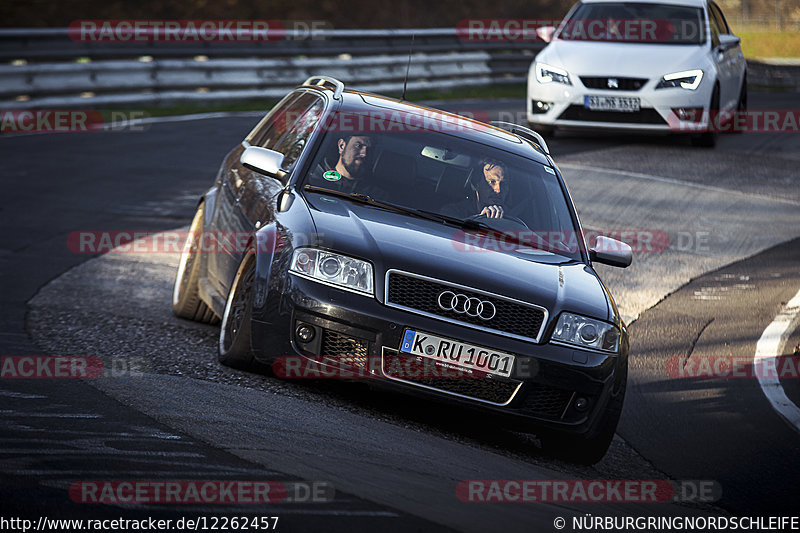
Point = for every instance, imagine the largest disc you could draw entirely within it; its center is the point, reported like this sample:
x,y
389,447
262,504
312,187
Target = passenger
x,y
491,193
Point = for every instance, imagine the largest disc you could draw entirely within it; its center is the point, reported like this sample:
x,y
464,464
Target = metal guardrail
x,y
46,68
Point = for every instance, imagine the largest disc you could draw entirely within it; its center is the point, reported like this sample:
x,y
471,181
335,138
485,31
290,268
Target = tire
x,y
588,451
186,302
708,139
234,334
741,107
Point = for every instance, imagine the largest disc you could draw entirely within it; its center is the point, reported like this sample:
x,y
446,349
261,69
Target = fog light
x,y
581,403
689,114
538,107
305,333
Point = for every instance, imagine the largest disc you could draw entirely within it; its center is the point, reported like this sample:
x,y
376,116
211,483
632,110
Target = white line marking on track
x,y
769,347
674,181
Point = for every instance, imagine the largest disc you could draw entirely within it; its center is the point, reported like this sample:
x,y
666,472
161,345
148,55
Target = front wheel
x,y
708,139
186,302
234,335
741,106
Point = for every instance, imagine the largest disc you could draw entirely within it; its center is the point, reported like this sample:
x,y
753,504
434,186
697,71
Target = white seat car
x,y
649,65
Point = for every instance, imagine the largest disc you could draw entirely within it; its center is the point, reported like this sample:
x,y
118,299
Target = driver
x,y
352,167
491,192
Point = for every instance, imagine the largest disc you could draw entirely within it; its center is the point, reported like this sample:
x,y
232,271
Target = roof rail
x,y
522,131
326,81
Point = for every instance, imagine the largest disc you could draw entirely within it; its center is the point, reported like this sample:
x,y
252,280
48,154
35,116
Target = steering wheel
x,y
509,218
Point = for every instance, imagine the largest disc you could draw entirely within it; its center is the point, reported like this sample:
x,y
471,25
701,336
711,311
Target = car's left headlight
x,y
688,79
586,332
336,269
547,74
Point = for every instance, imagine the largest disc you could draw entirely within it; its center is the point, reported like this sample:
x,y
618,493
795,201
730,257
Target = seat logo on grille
x,y
463,304
613,83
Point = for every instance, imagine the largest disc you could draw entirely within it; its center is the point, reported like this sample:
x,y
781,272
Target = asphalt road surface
x,y
731,216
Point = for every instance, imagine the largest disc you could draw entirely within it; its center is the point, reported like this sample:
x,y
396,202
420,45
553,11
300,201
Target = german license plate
x,y
459,354
611,103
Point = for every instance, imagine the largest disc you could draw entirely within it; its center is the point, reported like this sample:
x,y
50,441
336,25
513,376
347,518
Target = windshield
x,y
632,22
434,175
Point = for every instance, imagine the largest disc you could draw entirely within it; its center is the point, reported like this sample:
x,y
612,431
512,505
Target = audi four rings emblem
x,y
463,304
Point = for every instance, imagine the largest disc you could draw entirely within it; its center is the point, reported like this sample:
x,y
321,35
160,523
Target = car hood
x,y
392,240
584,58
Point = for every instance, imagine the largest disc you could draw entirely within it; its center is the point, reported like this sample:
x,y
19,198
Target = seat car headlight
x,y
586,333
547,74
688,79
336,269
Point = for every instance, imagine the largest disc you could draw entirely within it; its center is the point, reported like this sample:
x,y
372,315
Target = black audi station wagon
x,y
418,249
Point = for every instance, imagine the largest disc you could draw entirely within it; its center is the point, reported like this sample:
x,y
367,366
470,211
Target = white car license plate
x,y
449,351
611,103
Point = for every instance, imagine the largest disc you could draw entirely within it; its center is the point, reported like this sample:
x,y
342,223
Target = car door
x,y
228,219
719,55
258,198
286,132
732,62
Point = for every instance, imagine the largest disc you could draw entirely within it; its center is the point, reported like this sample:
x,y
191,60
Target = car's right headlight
x,y
585,332
336,269
547,74
688,79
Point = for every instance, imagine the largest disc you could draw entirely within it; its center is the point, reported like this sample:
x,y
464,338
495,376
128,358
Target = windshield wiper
x,y
469,224
369,200
455,221
466,224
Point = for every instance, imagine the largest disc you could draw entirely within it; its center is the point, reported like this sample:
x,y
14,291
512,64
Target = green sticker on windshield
x,y
332,175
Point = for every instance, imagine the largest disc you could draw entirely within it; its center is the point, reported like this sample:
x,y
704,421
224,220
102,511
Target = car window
x,y
441,173
634,22
298,130
716,30
722,24
257,133
281,119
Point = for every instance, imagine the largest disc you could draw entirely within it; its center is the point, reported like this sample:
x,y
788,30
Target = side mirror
x,y
611,252
262,160
726,40
545,33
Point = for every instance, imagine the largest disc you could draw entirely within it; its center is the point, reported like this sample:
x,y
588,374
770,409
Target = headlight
x,y
547,74
336,269
688,79
586,333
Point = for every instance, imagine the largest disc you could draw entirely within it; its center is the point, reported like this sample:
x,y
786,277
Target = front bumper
x,y
567,107
362,336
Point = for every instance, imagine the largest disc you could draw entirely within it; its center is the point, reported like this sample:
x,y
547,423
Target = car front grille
x,y
643,116
546,401
623,84
345,350
421,295
476,388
